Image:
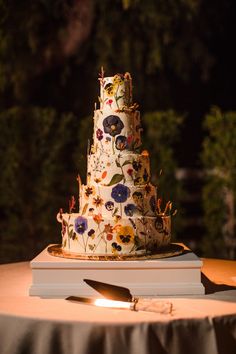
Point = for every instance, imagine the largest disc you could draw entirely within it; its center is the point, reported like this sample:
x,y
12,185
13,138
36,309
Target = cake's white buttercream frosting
x,y
116,131
119,200
129,168
103,235
116,92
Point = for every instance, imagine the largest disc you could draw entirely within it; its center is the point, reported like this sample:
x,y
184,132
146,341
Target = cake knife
x,y
121,297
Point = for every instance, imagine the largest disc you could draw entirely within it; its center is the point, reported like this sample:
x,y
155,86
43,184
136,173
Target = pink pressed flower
x,y
130,171
109,237
129,139
72,204
99,134
110,101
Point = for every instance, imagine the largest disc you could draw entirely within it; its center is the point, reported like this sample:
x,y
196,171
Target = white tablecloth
x,y
198,324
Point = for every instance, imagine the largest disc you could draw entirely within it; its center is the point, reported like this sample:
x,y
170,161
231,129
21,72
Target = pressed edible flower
x,y
71,204
145,153
116,247
89,190
120,193
109,237
98,218
109,205
137,197
108,228
112,125
130,209
125,235
109,102
121,142
81,225
91,233
98,201
130,171
104,174
99,134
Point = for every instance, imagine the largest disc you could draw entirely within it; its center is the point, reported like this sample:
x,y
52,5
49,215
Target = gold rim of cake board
x,y
169,251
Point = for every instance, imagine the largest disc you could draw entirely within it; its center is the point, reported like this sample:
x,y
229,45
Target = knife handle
x,y
153,305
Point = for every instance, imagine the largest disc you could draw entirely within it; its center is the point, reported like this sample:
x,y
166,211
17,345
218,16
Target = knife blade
x,y
148,305
103,302
110,291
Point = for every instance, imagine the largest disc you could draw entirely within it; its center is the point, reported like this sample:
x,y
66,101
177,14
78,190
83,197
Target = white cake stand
x,y
153,275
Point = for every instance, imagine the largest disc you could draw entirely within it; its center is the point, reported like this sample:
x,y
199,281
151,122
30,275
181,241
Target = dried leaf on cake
x,y
115,179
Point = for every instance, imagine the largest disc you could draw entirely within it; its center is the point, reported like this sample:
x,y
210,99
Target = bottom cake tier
x,y
100,235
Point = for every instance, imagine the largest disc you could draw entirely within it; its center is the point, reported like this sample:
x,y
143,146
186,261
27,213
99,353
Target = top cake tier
x,y
116,92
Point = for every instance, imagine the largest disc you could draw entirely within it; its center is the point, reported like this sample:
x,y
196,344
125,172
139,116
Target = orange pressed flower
x,y
145,153
97,180
108,228
98,201
98,218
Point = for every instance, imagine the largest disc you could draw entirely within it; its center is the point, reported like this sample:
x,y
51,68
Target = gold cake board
x,y
173,271
169,251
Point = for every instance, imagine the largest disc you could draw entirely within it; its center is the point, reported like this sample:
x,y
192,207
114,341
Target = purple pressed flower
x,y
121,142
81,225
99,134
109,205
120,193
91,232
130,209
115,246
137,165
112,125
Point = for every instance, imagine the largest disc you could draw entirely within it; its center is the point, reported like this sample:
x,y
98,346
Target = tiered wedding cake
x,y
119,211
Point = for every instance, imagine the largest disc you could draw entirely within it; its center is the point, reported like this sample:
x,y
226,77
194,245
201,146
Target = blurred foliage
x,y
60,45
219,160
35,178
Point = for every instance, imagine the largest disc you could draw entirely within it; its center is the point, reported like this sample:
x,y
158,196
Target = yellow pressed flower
x,y
125,235
117,80
110,90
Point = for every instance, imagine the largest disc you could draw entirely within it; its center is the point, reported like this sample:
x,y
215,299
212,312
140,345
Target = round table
x,y
198,324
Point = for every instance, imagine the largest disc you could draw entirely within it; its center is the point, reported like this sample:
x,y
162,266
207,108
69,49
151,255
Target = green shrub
x,y
219,160
35,178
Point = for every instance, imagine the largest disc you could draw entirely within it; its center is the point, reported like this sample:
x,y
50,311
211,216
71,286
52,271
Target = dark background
x,y
180,54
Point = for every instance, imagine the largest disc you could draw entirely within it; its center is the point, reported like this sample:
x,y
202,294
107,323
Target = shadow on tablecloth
x,y
211,287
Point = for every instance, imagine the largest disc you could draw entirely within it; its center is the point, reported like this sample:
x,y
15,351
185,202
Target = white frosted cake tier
x,y
116,131
118,200
128,168
104,235
115,92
